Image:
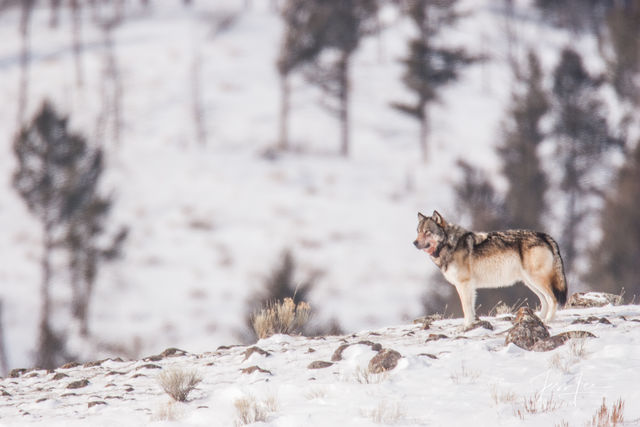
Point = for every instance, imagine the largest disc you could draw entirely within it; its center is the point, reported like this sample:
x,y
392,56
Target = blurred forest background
x,y
171,166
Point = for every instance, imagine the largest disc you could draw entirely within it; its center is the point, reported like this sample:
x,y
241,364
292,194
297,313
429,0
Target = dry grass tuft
x,y
577,351
178,383
386,413
168,412
281,317
465,375
364,376
535,404
499,396
250,410
609,417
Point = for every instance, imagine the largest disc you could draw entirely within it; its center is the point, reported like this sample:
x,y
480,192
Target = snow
x,y
471,378
209,223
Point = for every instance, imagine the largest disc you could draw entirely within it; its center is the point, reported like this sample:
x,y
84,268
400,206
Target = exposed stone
x,y
385,360
149,366
337,355
255,349
479,324
78,384
527,329
436,337
94,363
96,403
319,364
592,299
591,319
15,373
558,340
429,355
59,376
173,352
70,365
252,369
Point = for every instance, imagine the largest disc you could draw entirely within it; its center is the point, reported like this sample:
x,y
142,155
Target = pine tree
x,y
430,66
582,137
336,28
623,54
524,201
296,49
614,261
57,176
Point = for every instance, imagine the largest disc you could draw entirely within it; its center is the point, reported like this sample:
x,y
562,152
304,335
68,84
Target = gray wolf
x,y
471,260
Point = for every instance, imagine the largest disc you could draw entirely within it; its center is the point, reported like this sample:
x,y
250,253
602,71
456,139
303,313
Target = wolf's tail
x,y
558,280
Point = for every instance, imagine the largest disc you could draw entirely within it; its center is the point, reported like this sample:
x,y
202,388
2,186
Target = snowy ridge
x,y
444,377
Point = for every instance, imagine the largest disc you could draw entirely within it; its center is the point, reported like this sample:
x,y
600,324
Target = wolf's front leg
x,y
467,299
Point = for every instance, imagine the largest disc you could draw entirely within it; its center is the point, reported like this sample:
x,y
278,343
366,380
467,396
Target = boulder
x,y
527,329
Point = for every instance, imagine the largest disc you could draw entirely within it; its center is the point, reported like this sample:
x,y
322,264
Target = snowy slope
x,y
464,379
208,223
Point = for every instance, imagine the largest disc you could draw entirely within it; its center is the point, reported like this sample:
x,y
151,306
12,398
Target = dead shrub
x,y
250,410
608,417
386,413
281,317
535,404
178,383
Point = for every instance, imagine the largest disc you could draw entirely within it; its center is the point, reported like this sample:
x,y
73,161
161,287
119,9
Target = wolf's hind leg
x,y
544,302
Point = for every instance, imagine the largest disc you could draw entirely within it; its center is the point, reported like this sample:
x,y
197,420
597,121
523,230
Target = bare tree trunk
x,y
285,108
344,89
424,135
76,18
198,110
4,364
54,6
45,354
25,56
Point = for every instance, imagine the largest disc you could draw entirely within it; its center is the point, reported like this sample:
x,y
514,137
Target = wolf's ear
x,y
438,219
421,217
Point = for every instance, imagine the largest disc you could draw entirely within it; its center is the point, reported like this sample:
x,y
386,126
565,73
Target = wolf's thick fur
x,y
470,261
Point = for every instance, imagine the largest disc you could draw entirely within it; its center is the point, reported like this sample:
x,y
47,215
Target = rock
x,y
252,369
95,403
94,363
527,330
337,355
319,364
592,299
592,319
479,324
385,360
436,337
255,349
78,384
149,366
429,355
15,373
172,352
70,365
558,340
59,376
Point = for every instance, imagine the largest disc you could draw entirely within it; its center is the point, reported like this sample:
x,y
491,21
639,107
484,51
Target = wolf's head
x,y
431,232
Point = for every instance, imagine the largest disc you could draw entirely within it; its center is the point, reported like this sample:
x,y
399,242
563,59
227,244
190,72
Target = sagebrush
x,y
281,317
178,383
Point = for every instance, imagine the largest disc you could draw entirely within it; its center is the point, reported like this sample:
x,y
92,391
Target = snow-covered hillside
x,y
209,223
444,377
